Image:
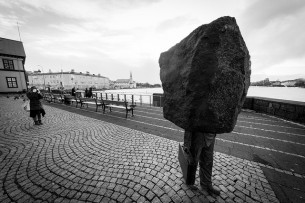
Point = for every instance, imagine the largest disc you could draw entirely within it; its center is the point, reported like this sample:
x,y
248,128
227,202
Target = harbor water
x,y
144,95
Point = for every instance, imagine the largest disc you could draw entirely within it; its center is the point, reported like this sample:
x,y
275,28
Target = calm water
x,y
286,93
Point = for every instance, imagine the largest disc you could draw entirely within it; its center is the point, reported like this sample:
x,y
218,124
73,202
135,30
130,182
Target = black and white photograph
x,y
162,101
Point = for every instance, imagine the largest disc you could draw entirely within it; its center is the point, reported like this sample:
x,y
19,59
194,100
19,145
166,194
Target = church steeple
x,y
130,78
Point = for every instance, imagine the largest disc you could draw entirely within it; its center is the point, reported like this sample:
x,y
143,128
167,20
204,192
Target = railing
x,y
136,99
290,110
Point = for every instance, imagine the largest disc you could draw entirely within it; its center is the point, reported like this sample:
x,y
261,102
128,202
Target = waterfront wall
x,y
289,110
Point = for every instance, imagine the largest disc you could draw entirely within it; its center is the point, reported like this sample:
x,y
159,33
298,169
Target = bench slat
x,y
89,102
115,106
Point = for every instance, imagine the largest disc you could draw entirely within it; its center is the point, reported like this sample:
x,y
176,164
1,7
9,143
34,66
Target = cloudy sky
x,y
116,37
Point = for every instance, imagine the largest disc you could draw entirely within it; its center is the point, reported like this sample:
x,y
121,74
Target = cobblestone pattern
x,y
72,158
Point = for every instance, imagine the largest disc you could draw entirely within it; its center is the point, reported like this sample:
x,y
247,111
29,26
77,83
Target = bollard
x,y
160,101
150,100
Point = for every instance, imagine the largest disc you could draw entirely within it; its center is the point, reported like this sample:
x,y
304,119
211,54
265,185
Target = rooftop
x,y
67,72
11,47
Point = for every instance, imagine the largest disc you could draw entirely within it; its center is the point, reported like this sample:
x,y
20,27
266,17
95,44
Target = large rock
x,y
205,78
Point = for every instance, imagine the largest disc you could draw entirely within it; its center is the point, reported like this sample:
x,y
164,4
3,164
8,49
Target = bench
x,y
57,97
78,100
69,99
118,104
92,101
44,95
48,97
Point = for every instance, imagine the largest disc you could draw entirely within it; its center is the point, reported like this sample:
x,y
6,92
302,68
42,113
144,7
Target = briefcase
x,y
188,169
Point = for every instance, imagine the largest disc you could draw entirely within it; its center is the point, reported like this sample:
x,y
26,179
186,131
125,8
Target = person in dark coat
x,y
86,92
89,95
36,109
73,91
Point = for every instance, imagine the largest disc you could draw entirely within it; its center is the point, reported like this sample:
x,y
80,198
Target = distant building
x,y
276,83
12,72
289,83
68,80
265,82
125,83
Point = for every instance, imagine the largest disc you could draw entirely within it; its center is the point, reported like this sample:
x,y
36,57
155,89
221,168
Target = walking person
x,y
36,109
89,95
86,92
73,91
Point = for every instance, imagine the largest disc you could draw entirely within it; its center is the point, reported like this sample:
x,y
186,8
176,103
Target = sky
x,y
116,37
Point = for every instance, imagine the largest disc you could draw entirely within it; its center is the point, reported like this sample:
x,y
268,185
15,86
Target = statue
x,y
205,79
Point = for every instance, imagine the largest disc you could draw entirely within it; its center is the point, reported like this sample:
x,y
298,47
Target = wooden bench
x,y
92,101
118,104
45,95
78,100
57,97
69,99
48,97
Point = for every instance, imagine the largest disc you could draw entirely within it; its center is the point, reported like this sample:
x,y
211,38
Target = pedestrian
x,y
86,92
36,109
73,91
89,93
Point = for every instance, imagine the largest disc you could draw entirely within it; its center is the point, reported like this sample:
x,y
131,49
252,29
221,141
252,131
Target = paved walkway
x,y
75,158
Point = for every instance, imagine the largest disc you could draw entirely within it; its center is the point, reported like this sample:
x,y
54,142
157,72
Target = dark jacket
x,y
89,94
35,103
86,92
73,91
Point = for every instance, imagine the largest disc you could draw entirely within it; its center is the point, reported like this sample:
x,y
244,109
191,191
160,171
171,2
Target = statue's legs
x,y
206,163
200,148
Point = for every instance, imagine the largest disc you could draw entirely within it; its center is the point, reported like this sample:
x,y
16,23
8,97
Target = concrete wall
x,y
289,110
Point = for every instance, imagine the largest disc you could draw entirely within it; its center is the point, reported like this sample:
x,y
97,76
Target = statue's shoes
x,y
210,189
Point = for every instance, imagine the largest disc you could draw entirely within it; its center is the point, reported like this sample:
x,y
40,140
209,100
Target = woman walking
x,y
36,109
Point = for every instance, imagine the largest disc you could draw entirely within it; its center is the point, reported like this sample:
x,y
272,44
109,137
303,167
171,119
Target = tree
x,y
300,83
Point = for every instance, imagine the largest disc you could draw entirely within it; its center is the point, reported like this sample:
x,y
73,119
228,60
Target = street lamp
x,y
44,81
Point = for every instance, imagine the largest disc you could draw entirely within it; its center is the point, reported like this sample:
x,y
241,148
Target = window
x,y
8,64
11,82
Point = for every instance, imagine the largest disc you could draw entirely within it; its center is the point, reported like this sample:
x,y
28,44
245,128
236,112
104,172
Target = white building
x,y
12,73
125,83
289,83
68,80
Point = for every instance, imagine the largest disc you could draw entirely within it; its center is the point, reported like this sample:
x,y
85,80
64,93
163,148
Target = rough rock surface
x,y
206,77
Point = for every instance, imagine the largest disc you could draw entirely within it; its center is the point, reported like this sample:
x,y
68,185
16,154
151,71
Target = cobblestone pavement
x,y
75,158
276,145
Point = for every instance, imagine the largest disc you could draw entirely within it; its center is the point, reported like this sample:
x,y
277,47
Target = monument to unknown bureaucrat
x,y
205,80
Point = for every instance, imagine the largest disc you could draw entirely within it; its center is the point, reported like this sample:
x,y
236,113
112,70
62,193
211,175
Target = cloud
x,y
261,13
114,37
273,32
130,4
82,9
174,23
